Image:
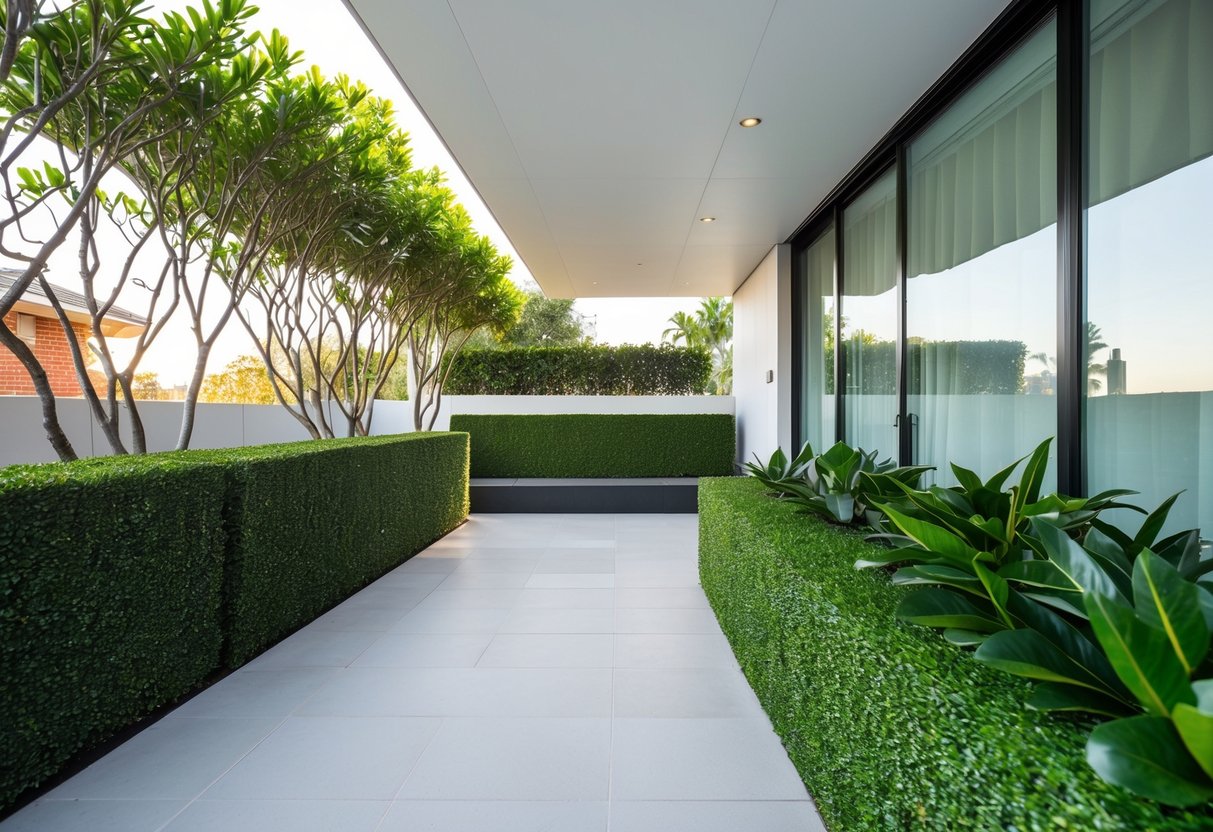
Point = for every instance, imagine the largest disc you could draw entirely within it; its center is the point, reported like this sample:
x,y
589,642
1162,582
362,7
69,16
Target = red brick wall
x,y
51,348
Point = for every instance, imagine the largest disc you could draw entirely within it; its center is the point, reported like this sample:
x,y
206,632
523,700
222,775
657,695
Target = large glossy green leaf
x,y
1164,599
947,609
1028,653
1034,473
1140,654
932,537
1042,573
964,638
968,480
1055,696
1075,562
1067,638
886,557
938,575
942,513
1154,522
1145,755
1195,725
841,507
997,590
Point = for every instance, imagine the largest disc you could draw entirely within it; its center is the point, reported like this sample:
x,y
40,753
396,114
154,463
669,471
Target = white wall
x,y
22,439
762,343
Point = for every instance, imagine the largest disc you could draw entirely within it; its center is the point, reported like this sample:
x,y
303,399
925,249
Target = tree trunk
x,y
50,415
190,407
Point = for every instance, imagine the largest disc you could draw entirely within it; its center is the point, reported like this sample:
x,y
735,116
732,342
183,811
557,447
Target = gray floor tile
x,y
322,758
573,566
470,599
431,564
451,621
665,572
514,759
648,620
559,621
548,650
583,599
280,816
700,759
661,597
697,693
565,580
492,562
530,692
175,759
93,816
715,816
385,597
315,648
655,650
495,816
262,693
401,579
425,650
460,579
353,617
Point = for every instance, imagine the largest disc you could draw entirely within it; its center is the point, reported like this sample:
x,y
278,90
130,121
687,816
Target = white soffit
x,y
599,131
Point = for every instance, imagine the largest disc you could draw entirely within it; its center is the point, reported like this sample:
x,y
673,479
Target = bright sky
x,y
332,40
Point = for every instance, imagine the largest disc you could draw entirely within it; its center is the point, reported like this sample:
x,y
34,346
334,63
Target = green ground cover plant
x,y
598,445
891,726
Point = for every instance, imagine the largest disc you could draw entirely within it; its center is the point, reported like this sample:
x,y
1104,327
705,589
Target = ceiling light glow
x,y
707,219
750,121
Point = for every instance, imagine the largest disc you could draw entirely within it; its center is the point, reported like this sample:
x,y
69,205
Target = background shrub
x,y
110,574
313,521
941,367
891,727
592,445
584,370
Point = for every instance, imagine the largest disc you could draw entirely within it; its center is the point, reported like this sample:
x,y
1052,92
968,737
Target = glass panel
x,y
816,271
981,298
869,317
1149,409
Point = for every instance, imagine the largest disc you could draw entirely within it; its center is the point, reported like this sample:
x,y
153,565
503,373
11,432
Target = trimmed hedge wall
x,y
891,727
110,574
127,581
298,549
594,445
585,370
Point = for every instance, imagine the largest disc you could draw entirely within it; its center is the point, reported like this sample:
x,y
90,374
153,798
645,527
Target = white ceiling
x,y
598,131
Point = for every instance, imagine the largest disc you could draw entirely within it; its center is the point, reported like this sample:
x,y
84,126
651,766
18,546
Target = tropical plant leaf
x,y
1069,640
943,608
1145,755
1165,600
1029,654
1141,655
932,537
1075,562
938,575
1195,725
841,506
996,589
1154,522
1034,473
891,556
968,480
1055,696
964,638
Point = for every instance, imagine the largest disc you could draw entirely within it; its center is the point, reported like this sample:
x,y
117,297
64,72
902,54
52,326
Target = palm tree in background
x,y
1095,343
710,328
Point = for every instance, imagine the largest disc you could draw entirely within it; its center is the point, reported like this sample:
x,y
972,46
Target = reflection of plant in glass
x,y
1095,343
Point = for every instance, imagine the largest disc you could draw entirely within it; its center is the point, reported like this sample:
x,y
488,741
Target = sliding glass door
x,y
1149,280
817,399
981,289
869,311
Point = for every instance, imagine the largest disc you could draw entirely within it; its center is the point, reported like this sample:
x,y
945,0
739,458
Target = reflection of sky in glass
x,y
1009,293
1150,280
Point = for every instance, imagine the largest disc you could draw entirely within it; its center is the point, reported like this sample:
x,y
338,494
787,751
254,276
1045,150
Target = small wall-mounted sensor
x,y
770,376
27,327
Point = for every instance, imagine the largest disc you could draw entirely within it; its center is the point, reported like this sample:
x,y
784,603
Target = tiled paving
x,y
525,673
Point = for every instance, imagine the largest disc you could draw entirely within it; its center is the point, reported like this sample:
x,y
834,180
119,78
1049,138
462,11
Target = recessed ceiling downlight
x,y
707,219
750,121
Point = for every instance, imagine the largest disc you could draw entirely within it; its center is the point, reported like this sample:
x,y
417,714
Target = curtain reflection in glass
x,y
817,408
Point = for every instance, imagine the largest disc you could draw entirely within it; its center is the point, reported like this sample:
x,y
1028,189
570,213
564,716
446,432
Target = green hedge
x,y
127,581
937,367
890,726
591,445
110,574
586,369
314,521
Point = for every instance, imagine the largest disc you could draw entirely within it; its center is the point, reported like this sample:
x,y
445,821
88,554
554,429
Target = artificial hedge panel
x,y
891,727
585,369
600,445
110,574
313,521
